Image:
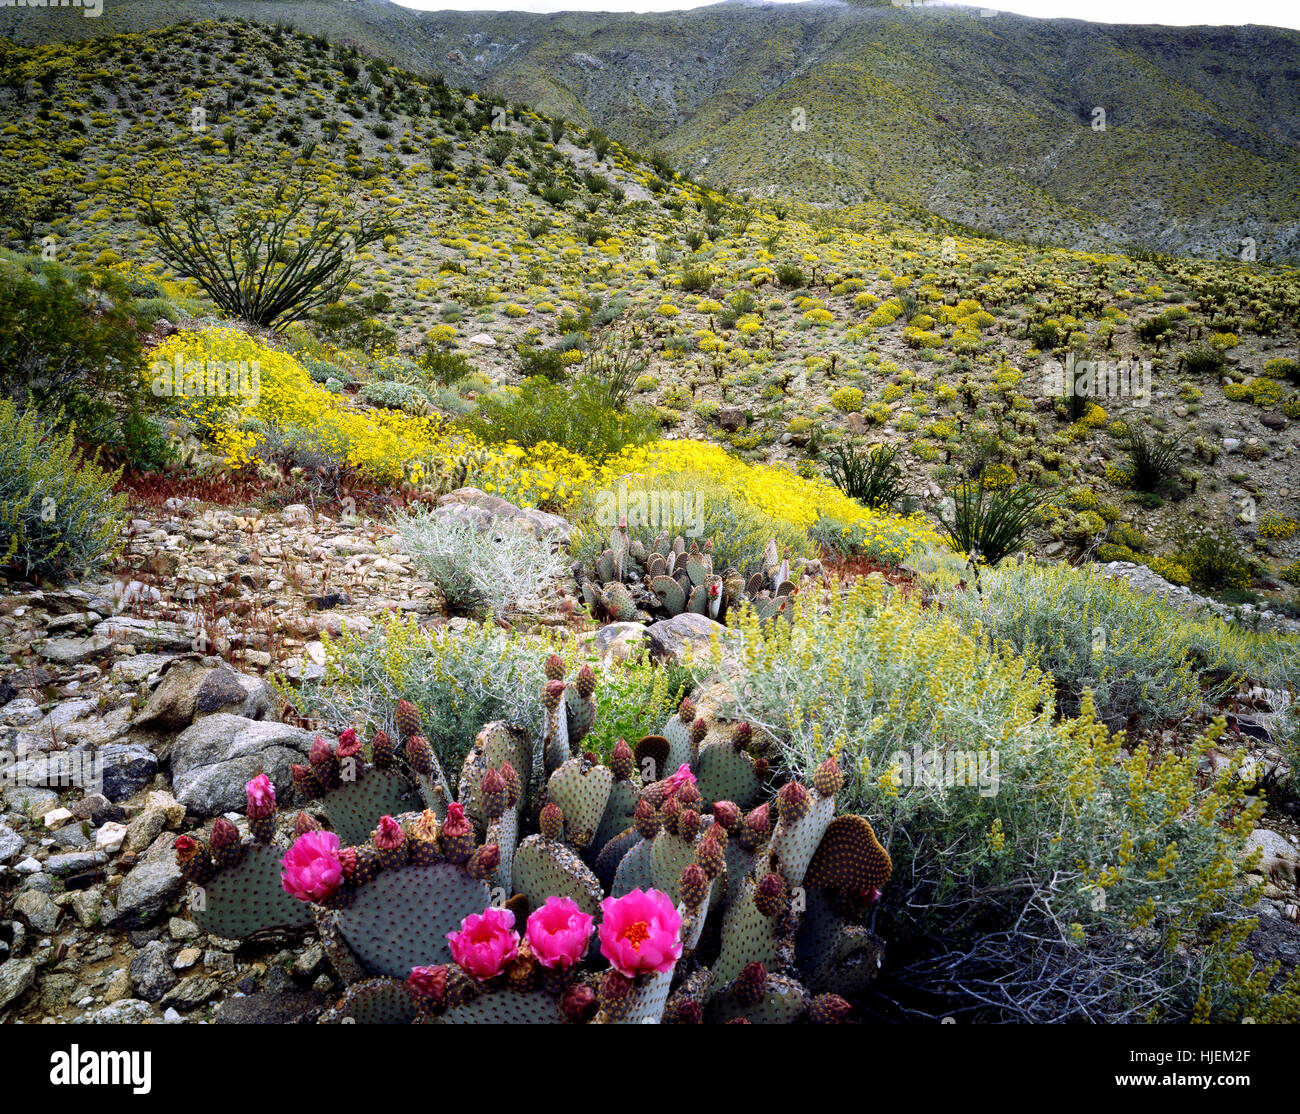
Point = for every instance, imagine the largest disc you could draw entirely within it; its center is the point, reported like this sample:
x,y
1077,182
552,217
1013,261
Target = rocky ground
x,y
137,706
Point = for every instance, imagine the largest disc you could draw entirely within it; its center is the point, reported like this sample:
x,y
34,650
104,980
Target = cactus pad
x,y
354,806
505,1007
241,900
377,1001
400,919
581,790
849,857
725,773
547,868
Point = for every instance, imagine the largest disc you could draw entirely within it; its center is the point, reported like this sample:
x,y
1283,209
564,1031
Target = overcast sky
x,y
1277,13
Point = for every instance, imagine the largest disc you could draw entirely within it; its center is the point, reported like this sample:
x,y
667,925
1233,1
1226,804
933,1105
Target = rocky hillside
x,y
989,121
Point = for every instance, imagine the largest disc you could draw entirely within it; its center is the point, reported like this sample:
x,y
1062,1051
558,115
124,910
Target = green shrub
x,y
70,349
1153,462
1212,557
481,573
58,513
458,680
576,415
444,367
1042,871
1094,633
991,522
787,274
873,477
396,396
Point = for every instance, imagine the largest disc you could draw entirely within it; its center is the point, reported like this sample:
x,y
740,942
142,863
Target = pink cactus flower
x,y
429,982
312,869
260,797
683,776
485,943
558,932
640,931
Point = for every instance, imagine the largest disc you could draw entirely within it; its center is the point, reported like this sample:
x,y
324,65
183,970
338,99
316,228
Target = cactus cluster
x,y
554,888
630,581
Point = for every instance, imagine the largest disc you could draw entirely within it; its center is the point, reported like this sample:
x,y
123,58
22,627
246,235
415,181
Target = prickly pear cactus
x,y
502,905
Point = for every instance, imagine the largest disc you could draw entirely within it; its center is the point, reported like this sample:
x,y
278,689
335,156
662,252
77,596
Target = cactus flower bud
x,y
710,857
224,833
484,862
514,790
686,711
578,1002
699,729
771,895
727,815
743,735
693,886
302,824
260,797
748,987
419,755
304,781
622,761
494,794
828,778
382,752
688,824
389,835
192,859
552,694
829,1009
792,803
586,682
457,834
428,982
551,821
407,716
646,819
554,668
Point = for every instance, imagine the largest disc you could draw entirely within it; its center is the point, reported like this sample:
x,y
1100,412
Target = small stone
x,y
151,973
16,976
56,818
119,987
110,837
38,910
28,866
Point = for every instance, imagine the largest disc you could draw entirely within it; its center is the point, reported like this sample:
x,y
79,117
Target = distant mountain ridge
x,y
988,121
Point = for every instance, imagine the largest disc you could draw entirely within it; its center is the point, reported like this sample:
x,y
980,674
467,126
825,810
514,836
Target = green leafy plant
x,y
58,513
992,522
872,477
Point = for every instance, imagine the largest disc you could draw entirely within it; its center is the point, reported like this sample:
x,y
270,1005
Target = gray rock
x,y
670,637
11,843
151,972
34,800
469,504
287,1008
153,634
214,759
153,884
38,910
65,713
139,667
612,635
191,993
732,418
16,976
126,768
73,651
191,688
20,712
129,1011
74,862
